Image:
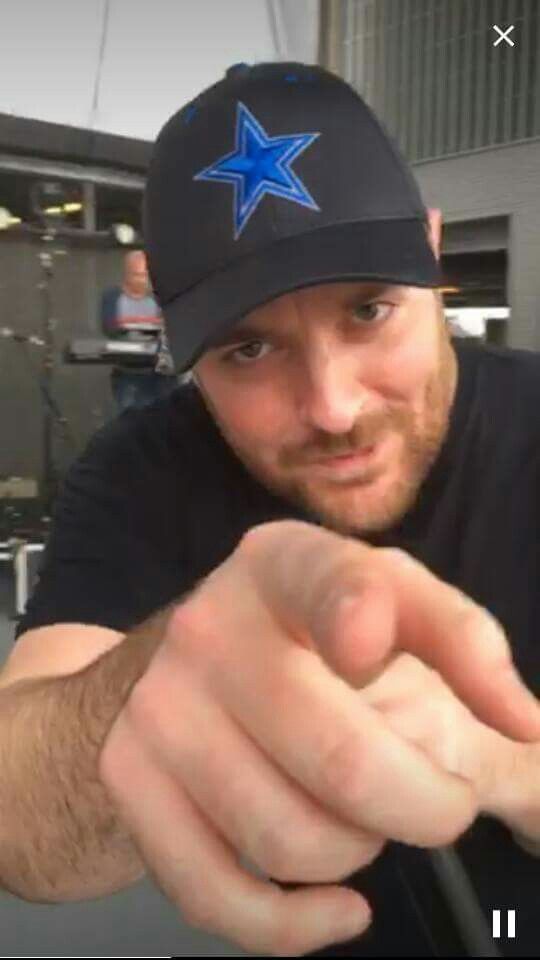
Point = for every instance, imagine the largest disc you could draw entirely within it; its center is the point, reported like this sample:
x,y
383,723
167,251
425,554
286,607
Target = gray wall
x,y
432,74
464,112
497,182
82,393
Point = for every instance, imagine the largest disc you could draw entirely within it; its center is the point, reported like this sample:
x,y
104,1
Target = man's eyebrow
x,y
243,331
240,331
375,290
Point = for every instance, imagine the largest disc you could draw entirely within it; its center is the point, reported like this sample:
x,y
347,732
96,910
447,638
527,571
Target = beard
x,y
382,495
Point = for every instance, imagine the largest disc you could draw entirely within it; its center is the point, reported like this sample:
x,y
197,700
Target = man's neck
x,y
133,294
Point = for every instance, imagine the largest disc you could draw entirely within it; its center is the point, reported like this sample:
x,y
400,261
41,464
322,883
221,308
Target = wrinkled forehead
x,y
335,292
324,295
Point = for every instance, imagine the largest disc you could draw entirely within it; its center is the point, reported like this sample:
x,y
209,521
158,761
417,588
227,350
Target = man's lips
x,y
321,457
344,457
349,457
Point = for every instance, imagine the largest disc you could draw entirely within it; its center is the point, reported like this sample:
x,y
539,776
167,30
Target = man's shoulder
x,y
509,357
510,368
507,393
155,436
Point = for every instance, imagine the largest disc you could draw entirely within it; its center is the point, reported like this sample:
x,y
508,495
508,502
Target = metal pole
x,y
48,479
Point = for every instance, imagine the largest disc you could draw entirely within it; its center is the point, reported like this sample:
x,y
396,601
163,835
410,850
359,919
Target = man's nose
x,y
331,398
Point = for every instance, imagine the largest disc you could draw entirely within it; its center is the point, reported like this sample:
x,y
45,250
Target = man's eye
x,y
371,312
246,352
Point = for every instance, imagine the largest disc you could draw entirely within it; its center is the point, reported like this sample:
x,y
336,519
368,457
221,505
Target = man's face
x,y
331,370
136,274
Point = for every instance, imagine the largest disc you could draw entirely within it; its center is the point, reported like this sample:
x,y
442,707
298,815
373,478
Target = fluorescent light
x,y
53,210
72,207
123,232
5,217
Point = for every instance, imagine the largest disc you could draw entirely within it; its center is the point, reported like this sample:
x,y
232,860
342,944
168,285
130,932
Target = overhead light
x,y
6,218
72,207
449,289
47,199
124,233
14,220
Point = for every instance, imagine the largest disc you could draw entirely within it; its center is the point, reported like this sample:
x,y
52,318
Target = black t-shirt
x,y
159,499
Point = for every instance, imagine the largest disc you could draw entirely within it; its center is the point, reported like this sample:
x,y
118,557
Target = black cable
x,y
459,894
49,399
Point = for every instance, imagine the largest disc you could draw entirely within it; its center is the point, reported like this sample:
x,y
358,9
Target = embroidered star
x,y
258,165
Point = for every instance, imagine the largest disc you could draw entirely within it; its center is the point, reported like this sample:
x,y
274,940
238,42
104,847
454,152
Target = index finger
x,y
464,642
329,591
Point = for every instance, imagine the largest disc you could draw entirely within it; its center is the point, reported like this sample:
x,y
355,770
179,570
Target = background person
x,y
123,307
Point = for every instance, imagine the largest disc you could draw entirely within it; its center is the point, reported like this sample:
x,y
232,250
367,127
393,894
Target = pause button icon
x,y
510,924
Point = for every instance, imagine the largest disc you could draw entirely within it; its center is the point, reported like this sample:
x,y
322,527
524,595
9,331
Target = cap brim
x,y
389,251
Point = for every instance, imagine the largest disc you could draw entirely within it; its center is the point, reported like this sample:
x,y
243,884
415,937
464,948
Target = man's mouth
x,y
351,457
349,466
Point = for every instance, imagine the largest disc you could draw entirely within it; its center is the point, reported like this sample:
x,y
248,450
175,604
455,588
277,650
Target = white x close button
x,y
503,35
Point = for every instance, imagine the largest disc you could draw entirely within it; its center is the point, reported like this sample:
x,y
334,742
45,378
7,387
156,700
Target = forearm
x,y
60,837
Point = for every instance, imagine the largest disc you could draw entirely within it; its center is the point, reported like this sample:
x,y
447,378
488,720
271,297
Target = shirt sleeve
x,y
101,565
108,308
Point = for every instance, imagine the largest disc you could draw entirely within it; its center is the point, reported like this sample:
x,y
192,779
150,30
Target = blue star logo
x,y
258,165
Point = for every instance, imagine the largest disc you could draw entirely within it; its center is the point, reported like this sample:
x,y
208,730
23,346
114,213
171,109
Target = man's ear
x,y
434,227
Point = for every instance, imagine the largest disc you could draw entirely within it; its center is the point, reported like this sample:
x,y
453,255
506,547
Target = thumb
x,y
355,631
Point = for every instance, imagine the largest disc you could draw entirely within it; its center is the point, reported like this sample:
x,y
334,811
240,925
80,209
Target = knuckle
x,y
283,939
255,534
474,619
286,944
318,854
198,912
192,617
335,599
147,711
464,818
348,577
468,614
274,853
196,640
367,850
344,769
444,834
260,532
397,556
446,829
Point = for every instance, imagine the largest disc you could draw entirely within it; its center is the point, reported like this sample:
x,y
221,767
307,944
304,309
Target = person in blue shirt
x,y
122,309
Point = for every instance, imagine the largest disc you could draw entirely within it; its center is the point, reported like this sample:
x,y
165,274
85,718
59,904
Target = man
x,y
130,312
266,661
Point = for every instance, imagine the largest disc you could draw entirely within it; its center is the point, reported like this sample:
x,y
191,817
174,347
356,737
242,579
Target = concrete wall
x,y
501,181
82,393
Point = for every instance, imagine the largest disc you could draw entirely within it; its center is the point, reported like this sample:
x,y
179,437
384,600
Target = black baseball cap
x,y
277,177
